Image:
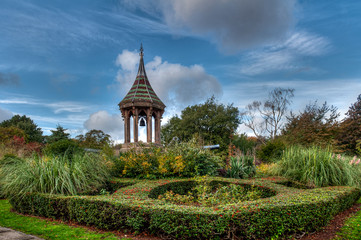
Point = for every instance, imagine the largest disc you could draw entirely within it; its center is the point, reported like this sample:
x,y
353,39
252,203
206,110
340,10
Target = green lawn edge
x,y
352,227
44,228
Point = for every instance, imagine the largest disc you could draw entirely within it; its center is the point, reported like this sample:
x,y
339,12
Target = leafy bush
x,y
184,159
244,144
242,167
197,160
264,169
319,167
291,211
271,151
211,193
63,147
54,175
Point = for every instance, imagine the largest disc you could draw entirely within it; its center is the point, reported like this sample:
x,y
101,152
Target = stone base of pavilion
x,y
137,146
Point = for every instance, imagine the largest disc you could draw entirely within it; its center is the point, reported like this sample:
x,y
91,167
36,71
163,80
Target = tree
x,y
24,123
94,139
266,118
315,125
212,122
7,134
349,136
57,135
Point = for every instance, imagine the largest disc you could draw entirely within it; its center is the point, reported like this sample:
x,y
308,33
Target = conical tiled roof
x,y
141,91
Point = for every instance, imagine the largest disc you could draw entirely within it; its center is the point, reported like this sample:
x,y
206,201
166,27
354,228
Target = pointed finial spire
x,y
141,50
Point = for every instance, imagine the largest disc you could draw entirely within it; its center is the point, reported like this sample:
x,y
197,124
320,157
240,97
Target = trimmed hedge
x,y
290,211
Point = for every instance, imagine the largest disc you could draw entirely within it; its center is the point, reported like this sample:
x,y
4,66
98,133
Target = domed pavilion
x,y
141,105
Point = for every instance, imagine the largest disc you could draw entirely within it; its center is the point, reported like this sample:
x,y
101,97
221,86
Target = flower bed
x,y
290,211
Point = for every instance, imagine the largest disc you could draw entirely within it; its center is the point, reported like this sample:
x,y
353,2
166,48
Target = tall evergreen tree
x,y
58,134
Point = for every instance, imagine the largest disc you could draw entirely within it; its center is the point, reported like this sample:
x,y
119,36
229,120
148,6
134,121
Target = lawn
x,y
44,228
352,227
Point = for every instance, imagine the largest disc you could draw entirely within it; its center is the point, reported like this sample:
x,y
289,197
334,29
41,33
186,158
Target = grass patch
x,y
352,227
44,228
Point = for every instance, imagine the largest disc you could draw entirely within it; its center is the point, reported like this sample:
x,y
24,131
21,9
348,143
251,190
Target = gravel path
x,y
9,234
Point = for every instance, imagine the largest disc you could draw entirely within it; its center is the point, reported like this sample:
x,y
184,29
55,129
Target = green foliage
x,y
179,159
316,125
316,166
212,193
197,160
7,134
54,175
33,133
351,229
241,167
212,122
349,137
291,211
271,151
13,141
57,135
245,144
63,147
46,229
95,139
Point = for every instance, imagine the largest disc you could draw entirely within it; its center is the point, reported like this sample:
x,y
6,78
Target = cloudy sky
x,y
71,62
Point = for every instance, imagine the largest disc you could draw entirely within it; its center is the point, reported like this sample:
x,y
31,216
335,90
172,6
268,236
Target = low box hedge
x,y
289,211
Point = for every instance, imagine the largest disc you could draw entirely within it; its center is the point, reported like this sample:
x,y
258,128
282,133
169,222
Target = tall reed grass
x,y
319,167
54,175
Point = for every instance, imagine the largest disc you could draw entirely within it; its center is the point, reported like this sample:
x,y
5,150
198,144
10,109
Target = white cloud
x,y
57,107
110,124
286,56
5,114
176,85
232,24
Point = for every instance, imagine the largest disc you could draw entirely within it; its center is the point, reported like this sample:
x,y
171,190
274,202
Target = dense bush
x,y
289,212
241,167
62,147
54,175
319,167
184,159
204,192
271,151
245,144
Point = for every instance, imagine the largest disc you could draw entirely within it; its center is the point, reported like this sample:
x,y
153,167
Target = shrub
x,y
318,167
184,159
211,193
63,147
291,211
54,175
197,161
244,144
271,151
242,167
264,169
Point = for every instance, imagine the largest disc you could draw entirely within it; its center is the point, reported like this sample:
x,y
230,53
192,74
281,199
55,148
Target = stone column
x,y
149,125
126,126
157,128
135,121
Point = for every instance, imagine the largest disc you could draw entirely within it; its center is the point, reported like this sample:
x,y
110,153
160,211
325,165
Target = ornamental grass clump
x,y
242,167
318,167
55,175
